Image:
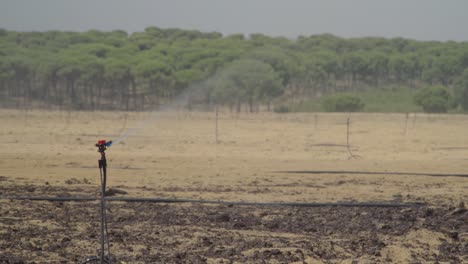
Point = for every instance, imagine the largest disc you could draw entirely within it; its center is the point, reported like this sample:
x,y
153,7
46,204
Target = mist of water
x,y
179,102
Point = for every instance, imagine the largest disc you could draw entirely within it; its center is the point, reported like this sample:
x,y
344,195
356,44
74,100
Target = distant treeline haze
x,y
116,70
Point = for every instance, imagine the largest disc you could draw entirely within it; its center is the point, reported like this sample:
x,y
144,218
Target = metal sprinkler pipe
x,y
102,146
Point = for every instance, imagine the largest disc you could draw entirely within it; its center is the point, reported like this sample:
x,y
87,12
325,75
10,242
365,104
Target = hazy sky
x,y
417,19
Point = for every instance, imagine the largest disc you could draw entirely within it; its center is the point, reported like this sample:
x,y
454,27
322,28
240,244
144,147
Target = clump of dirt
x,y
76,181
114,191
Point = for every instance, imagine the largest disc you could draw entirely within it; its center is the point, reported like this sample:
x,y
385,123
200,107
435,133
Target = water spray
x,y
132,131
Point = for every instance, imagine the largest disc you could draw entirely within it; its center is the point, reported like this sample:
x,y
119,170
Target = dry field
x,y
175,155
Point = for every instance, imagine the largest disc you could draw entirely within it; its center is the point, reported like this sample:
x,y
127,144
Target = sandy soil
x,y
174,154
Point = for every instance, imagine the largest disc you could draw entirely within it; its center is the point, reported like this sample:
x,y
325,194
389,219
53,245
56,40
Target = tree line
x,y
97,70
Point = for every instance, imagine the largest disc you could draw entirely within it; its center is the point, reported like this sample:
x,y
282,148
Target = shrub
x,y
342,103
433,99
281,109
461,90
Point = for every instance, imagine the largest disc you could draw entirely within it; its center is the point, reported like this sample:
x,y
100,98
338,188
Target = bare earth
x,y
175,155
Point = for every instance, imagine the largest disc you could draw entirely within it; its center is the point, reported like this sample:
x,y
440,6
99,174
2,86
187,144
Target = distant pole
x,y
26,104
315,120
25,112
347,135
216,123
406,123
124,125
348,147
68,118
236,118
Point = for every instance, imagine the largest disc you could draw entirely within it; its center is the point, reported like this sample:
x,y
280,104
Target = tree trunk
x,y
126,95
71,88
99,95
251,108
134,92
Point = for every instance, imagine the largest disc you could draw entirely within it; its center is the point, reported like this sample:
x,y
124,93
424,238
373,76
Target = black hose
x,y
163,200
52,199
375,173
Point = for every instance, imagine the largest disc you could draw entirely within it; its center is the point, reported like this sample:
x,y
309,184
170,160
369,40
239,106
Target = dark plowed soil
x,y
40,232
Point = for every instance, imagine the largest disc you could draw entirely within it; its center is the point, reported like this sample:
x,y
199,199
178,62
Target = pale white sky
x,y
416,19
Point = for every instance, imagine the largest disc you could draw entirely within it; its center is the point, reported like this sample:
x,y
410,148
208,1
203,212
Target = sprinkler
x,y
102,146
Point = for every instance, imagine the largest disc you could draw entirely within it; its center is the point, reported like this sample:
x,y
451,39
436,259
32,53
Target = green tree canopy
x,y
246,80
433,99
114,69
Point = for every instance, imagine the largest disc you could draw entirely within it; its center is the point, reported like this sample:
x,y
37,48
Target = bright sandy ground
x,y
174,154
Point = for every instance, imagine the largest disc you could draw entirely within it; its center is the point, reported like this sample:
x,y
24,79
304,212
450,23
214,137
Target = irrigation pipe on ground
x,y
163,200
375,173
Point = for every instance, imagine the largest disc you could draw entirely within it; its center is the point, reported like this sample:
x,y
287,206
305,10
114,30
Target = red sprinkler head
x,y
102,145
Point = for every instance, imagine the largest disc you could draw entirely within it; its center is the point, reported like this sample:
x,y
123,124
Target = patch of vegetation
x,y
434,99
342,102
281,109
461,90
388,100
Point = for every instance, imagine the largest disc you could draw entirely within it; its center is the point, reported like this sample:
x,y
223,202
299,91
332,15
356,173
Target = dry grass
x,y
174,154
